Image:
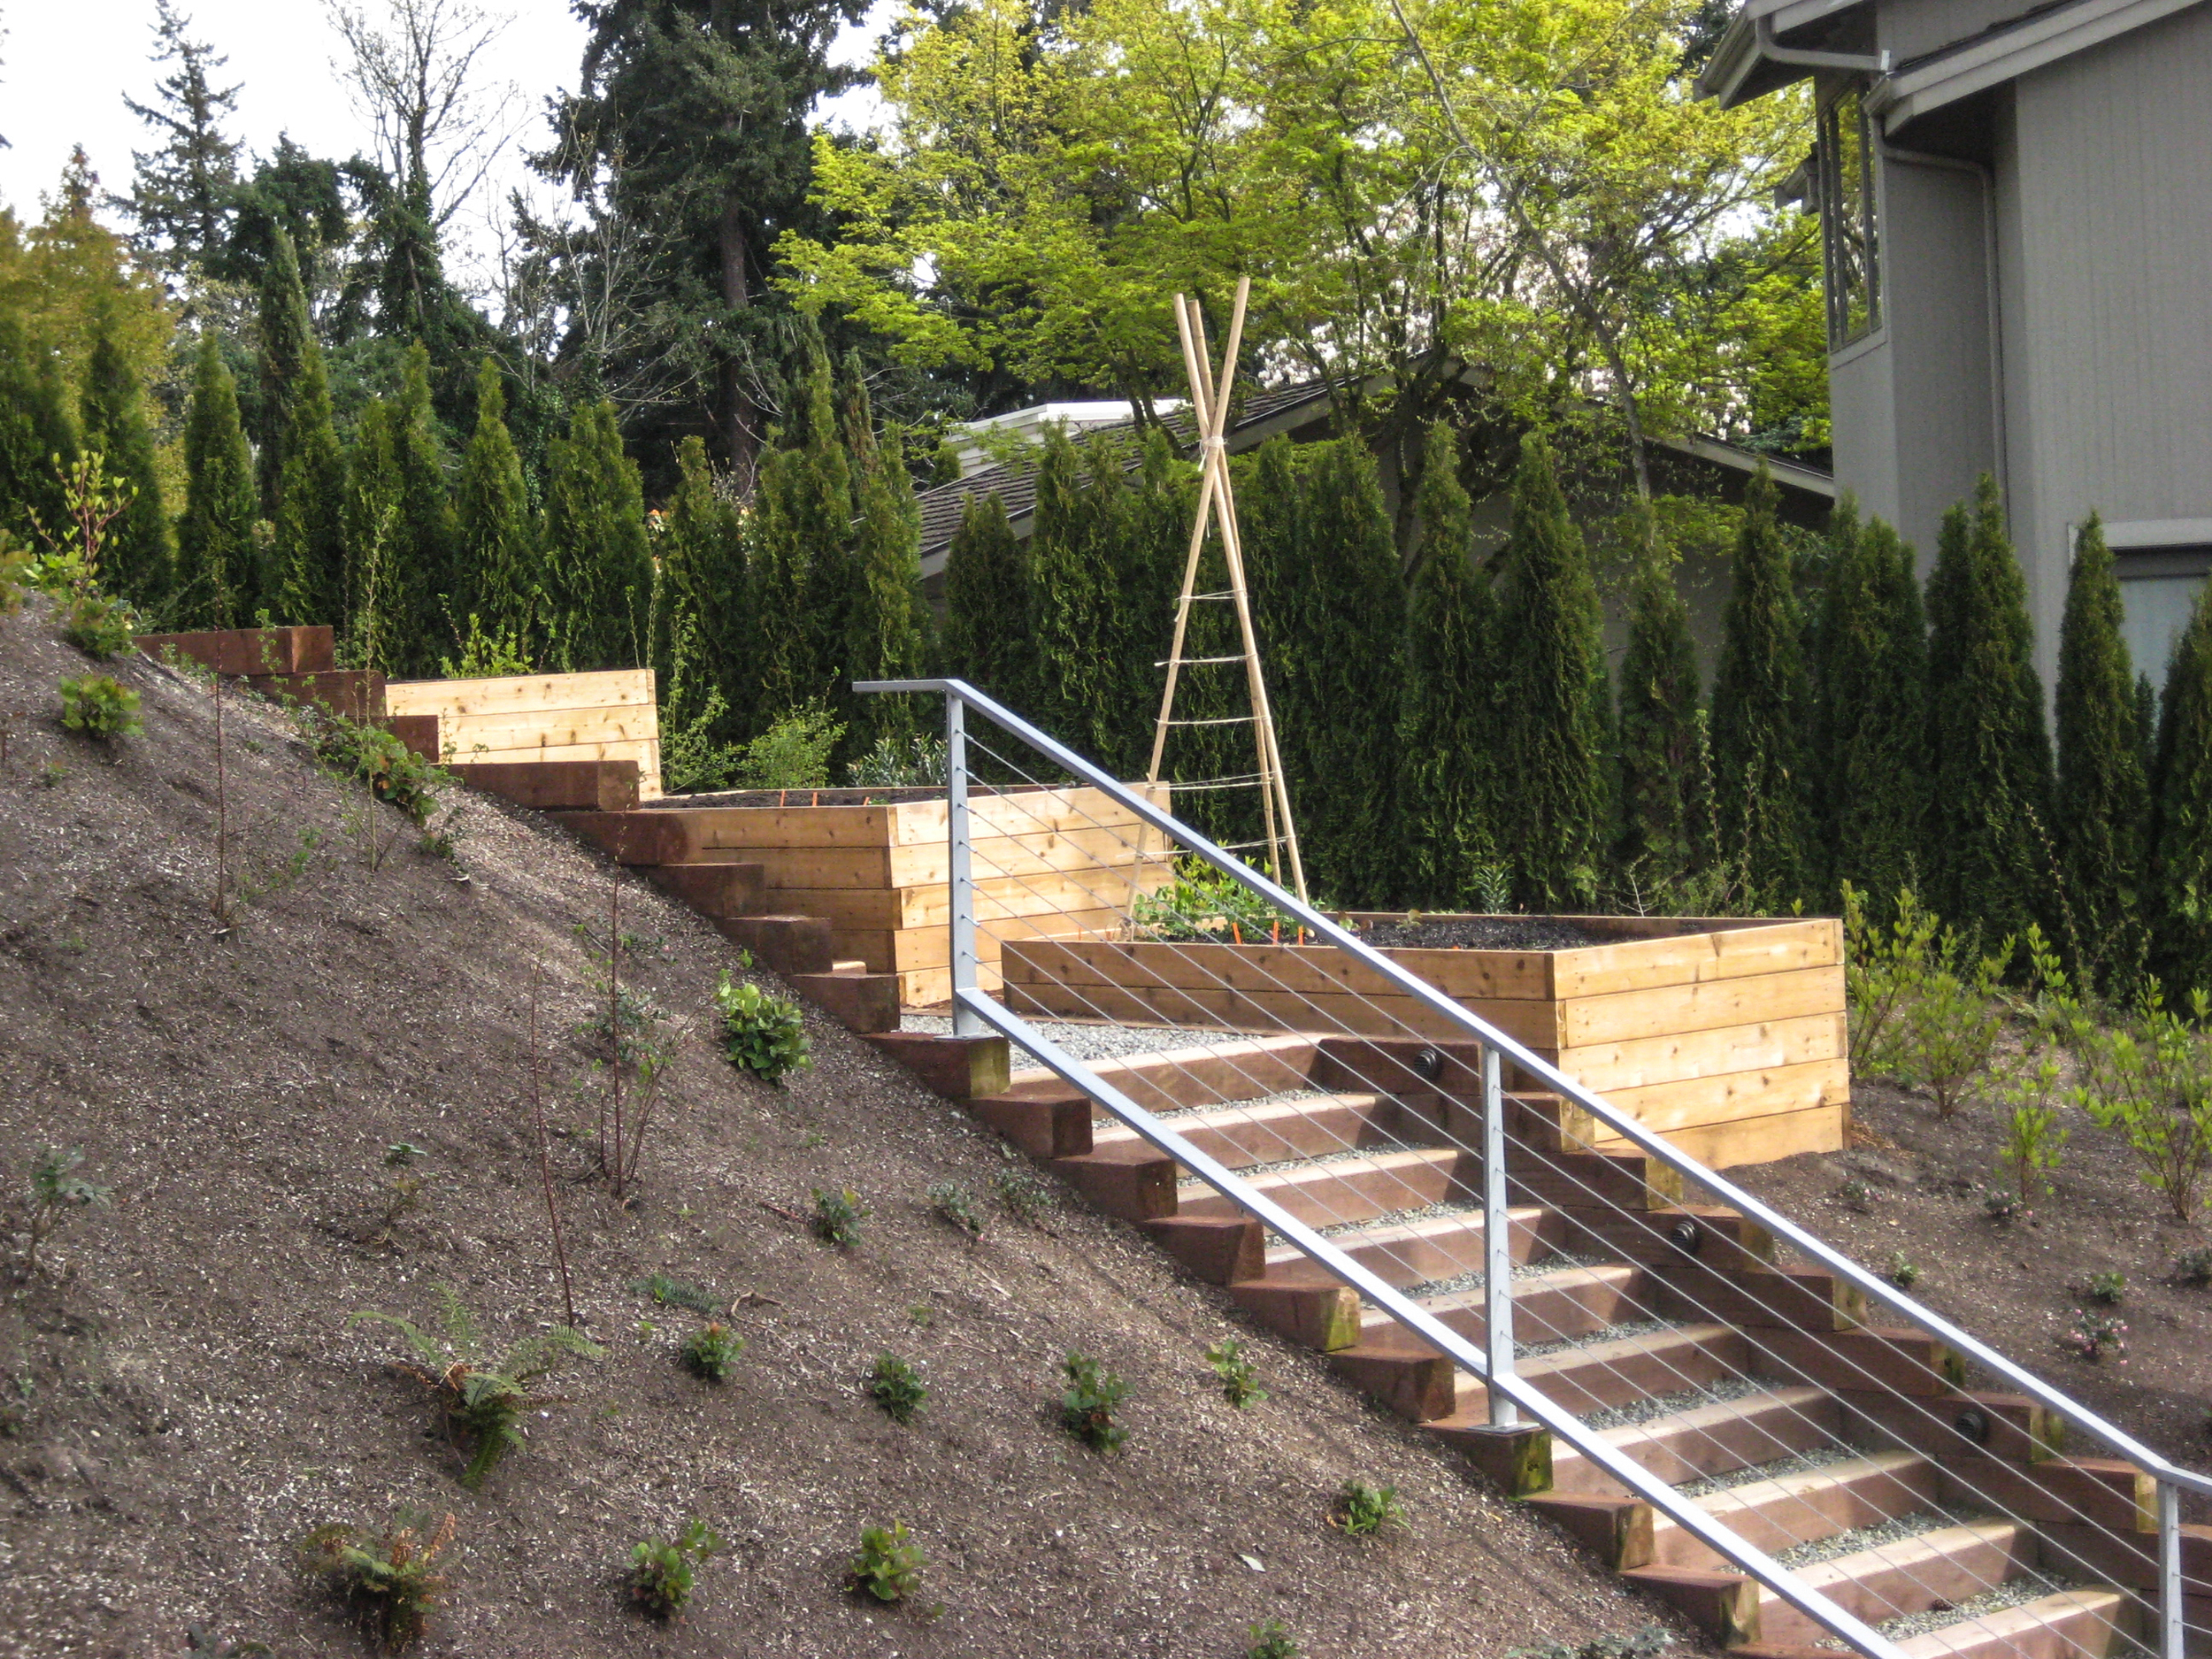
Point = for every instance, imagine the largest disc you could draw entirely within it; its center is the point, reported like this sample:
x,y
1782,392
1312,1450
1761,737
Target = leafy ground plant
x,y
1271,1640
2151,1079
916,763
889,1564
2110,1288
710,1353
483,1400
54,1191
2095,1335
1239,1385
1362,1510
371,756
950,1200
1203,905
838,1218
99,707
99,626
2193,1266
1088,1402
762,1032
894,1385
2004,1206
2033,1142
676,1292
663,1571
792,754
1903,1272
1949,1025
388,1576
1025,1197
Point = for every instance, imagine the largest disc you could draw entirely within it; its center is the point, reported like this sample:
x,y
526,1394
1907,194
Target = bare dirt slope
x,y
184,1398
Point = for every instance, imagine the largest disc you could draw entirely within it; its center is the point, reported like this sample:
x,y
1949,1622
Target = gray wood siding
x,y
2105,191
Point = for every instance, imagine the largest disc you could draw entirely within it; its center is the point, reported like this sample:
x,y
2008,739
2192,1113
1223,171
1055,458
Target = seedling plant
x,y
664,1569
710,1353
100,708
1903,1272
1088,1402
951,1201
483,1400
838,1218
1362,1510
2096,1335
54,1193
1271,1640
762,1032
894,1385
889,1564
1239,1383
2193,1266
676,1292
388,1576
2109,1289
2152,1080
1026,1196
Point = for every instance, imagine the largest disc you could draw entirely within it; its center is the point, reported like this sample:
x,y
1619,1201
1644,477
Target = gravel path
x,y
1094,1042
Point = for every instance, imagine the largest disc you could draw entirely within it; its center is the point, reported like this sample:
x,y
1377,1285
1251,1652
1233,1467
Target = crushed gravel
x,y
1087,1041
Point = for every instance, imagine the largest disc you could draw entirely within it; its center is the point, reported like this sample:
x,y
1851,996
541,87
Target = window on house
x,y
1843,167
2158,591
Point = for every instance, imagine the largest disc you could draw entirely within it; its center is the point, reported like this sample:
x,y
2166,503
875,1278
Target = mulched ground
x,y
1483,933
185,1399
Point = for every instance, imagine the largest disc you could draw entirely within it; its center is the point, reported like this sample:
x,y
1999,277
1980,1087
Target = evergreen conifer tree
x,y
2182,861
302,466
1352,692
986,640
805,576
1661,766
702,552
185,190
1869,723
286,335
2102,806
1990,848
600,565
495,577
420,567
1155,538
216,556
1075,594
1760,709
136,561
888,638
1451,791
371,625
35,432
1555,703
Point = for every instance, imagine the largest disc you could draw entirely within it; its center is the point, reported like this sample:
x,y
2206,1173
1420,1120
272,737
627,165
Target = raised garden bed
x,y
1726,1035
1048,862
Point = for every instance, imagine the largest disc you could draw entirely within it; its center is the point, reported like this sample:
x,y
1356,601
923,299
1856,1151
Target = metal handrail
x,y
1437,1003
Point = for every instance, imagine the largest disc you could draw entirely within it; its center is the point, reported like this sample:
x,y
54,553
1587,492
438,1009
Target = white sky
x,y
65,66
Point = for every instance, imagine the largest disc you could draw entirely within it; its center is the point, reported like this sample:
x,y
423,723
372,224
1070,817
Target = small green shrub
x,y
2111,1288
483,1400
494,656
1239,1385
2005,1206
889,1564
762,1032
894,1385
676,1292
2095,1335
97,706
663,1570
711,1351
100,627
2193,1266
1903,1272
1204,904
837,1217
371,755
2033,1142
1949,1025
950,1201
1025,1197
919,762
388,1576
792,754
1087,1404
1362,1510
54,1191
1271,1640
2151,1079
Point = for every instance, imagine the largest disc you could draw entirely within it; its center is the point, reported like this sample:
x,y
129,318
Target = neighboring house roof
x,y
1789,474
1770,43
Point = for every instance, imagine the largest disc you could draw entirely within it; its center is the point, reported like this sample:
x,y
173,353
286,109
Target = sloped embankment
x,y
184,1399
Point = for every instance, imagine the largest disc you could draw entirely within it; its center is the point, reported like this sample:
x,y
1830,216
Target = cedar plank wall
x,y
1729,1041
608,716
1047,863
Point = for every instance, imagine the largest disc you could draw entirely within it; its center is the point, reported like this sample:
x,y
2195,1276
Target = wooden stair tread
x,y
1563,1301
1352,1188
1268,1132
1715,1438
1595,1375
1411,1252
1948,1565
1804,1506
2092,1621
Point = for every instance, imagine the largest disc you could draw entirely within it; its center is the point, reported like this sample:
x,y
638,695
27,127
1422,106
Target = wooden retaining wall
x,y
608,716
1725,1036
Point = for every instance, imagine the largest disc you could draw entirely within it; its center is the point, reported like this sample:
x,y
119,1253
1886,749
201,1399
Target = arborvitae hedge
x,y
986,639
1869,756
2103,804
35,429
1451,709
1555,711
288,334
2182,861
215,562
600,570
1661,766
887,632
1991,851
372,621
1073,599
495,563
140,551
1760,701
805,576
703,549
301,459
1148,571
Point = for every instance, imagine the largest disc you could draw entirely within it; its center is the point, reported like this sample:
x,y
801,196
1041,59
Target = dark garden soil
x,y
1483,933
184,1398
1911,1190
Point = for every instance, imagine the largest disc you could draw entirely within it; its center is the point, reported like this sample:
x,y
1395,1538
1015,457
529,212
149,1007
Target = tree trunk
x,y
740,415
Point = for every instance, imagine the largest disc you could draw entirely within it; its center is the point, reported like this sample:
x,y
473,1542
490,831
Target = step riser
x,y
1275,1136
1711,1442
787,944
1324,1197
1215,1076
859,1002
1775,1522
1913,1578
1444,1252
1543,1315
715,891
1665,1364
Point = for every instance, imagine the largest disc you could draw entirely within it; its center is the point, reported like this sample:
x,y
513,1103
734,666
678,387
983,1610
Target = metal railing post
x,y
965,1020
2172,1608
1497,1244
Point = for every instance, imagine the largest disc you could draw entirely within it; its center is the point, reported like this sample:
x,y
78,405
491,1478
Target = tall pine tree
x,y
186,189
1870,722
1451,778
1555,703
600,566
140,550
1662,770
1991,850
2182,861
303,467
216,558
2104,803
495,574
1760,707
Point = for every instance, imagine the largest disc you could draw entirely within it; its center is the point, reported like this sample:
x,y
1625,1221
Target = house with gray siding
x,y
2017,218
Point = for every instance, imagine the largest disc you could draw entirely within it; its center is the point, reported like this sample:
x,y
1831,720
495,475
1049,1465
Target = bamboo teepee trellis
x,y
1216,508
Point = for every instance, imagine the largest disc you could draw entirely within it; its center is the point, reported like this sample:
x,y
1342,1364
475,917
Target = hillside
x,y
183,1399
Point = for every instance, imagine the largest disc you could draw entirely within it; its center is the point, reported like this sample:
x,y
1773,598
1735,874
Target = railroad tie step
x,y
1597,1376
1926,1572
1592,1180
1803,1506
1717,1438
789,945
1134,1183
1435,1247
1247,1133
2081,1623
860,1001
1353,1188
1548,1305
715,890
